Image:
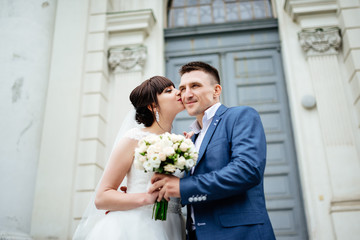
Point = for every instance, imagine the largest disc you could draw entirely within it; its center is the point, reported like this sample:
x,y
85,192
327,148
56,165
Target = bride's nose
x,y
177,92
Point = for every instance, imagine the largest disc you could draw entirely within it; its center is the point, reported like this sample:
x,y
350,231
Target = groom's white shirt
x,y
196,128
207,118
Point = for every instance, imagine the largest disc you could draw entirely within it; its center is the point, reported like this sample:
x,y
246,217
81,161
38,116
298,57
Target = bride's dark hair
x,y
145,96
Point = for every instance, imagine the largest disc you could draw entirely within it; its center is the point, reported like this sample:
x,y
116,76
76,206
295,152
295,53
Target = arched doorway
x,y
240,38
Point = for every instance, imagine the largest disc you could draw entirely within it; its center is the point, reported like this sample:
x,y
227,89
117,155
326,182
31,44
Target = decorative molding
x,y
131,20
222,28
345,205
130,27
320,41
299,8
127,59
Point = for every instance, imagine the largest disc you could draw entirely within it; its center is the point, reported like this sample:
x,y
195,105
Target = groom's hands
x,y
167,185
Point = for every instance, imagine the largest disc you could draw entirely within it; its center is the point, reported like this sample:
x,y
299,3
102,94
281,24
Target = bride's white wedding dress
x,y
137,223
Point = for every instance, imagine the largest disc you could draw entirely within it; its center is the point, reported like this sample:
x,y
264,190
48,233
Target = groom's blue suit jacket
x,y
226,188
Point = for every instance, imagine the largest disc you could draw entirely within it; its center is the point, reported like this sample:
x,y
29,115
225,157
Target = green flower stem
x,y
160,210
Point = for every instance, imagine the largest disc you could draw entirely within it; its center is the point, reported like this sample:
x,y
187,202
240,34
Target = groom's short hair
x,y
200,66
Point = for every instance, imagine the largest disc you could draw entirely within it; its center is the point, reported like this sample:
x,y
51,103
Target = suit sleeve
x,y
245,168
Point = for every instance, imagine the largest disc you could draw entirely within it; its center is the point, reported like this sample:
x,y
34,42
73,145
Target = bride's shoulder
x,y
136,133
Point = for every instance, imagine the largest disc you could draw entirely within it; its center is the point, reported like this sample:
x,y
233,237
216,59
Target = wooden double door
x,y
250,67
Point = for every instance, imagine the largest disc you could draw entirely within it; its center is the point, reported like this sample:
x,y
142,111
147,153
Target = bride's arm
x,y
107,196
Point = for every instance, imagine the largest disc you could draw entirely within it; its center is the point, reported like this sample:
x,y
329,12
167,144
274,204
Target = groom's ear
x,y
217,90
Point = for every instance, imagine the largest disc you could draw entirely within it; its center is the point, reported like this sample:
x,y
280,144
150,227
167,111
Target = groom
x,y
224,192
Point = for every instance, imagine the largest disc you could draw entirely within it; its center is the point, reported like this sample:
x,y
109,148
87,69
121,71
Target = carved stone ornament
x,y
320,41
127,58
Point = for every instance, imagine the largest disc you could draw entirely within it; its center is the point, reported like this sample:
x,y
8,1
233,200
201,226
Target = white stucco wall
x,y
26,30
53,194
326,135
306,126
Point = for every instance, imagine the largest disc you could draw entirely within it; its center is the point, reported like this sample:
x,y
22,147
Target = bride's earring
x,y
157,116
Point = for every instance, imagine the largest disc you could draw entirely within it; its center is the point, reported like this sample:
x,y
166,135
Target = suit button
x,y
196,199
191,199
204,198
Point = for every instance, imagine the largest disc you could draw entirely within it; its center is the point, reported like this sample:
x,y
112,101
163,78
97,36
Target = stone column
x,y
127,64
117,64
56,168
26,33
321,49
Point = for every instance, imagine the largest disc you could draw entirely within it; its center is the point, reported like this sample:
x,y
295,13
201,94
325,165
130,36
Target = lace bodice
x,y
139,181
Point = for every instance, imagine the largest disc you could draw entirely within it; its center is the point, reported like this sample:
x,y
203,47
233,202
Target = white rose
x,y
169,151
151,156
162,156
181,162
152,139
166,143
184,147
188,142
141,159
153,149
176,146
166,135
137,151
176,138
157,147
148,166
142,142
170,168
194,155
142,146
155,161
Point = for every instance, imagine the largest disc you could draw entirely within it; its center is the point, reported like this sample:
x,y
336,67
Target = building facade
x,y
69,67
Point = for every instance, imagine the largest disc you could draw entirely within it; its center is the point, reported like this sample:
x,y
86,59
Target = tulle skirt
x,y
138,224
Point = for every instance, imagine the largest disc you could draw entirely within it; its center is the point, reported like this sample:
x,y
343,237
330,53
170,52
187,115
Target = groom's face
x,y
198,92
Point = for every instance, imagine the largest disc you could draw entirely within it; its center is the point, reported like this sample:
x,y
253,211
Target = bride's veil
x,y
92,215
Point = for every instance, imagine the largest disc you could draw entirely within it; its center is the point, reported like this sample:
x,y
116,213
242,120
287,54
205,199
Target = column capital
x,y
126,59
320,41
299,8
130,27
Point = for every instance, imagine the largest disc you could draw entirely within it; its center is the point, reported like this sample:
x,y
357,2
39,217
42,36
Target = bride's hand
x,y
188,134
150,198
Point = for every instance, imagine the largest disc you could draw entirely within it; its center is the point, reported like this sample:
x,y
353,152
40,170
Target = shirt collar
x,y
208,114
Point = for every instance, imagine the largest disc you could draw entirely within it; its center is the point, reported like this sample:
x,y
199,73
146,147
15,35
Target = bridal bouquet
x,y
167,154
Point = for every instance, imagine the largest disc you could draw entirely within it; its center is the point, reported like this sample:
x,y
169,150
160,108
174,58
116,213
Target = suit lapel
x,y
210,131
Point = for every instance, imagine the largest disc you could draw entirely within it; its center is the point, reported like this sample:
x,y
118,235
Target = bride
x,y
129,215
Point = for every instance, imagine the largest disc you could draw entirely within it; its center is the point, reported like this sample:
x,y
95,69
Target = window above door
x,y
183,13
